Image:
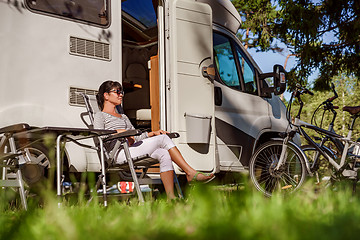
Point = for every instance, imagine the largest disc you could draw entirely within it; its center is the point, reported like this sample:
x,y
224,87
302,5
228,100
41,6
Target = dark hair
x,y
105,87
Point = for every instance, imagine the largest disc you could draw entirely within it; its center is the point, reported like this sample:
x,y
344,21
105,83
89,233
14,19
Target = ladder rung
x,y
9,155
9,183
9,166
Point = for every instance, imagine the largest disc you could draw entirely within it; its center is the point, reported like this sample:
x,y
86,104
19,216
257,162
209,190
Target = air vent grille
x,y
75,97
89,48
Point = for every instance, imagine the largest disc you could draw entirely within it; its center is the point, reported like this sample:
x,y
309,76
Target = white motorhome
x,y
51,50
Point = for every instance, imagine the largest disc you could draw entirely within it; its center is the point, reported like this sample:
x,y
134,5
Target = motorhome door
x,y
190,95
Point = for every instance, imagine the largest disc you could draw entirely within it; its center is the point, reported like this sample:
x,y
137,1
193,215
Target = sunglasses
x,y
118,91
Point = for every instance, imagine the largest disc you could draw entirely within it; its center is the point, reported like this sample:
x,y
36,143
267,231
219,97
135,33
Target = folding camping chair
x,y
11,160
142,162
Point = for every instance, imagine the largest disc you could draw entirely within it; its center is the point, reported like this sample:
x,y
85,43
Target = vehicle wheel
x,y
38,168
33,173
323,171
268,180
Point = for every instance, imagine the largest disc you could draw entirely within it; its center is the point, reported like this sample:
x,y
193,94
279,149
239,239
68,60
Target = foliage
x,y
348,90
207,213
305,25
323,34
258,20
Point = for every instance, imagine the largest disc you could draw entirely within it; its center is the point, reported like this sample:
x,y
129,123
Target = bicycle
x,y
323,170
319,166
281,164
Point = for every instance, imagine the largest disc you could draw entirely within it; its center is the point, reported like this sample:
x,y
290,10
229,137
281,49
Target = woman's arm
x,y
130,126
158,132
99,121
131,140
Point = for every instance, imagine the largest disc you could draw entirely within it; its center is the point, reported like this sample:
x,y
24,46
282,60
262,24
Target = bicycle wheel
x,y
321,167
288,178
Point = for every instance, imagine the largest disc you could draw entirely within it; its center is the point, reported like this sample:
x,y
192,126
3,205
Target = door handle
x,y
209,72
218,96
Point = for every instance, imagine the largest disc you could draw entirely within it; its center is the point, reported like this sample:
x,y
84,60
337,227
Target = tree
x,y
305,27
348,90
258,18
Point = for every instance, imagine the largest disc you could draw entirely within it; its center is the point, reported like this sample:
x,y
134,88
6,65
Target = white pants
x,y
156,147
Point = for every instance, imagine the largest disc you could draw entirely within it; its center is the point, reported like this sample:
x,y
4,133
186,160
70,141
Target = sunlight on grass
x,y
208,212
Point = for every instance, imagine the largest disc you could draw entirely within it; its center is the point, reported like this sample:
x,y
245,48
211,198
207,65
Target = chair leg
x,y
19,179
133,173
178,187
15,180
102,178
21,189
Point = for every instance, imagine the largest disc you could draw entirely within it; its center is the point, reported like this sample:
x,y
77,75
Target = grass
x,y
208,212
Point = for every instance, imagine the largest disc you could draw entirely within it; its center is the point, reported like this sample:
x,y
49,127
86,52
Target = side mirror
x,y
279,79
278,82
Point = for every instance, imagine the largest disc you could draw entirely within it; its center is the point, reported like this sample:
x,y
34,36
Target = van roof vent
x,y
75,98
88,48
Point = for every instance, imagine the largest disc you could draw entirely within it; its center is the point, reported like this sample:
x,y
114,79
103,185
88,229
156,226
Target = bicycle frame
x,y
348,142
327,105
336,138
287,142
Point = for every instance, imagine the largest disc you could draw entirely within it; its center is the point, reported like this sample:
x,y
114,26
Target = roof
x,y
224,14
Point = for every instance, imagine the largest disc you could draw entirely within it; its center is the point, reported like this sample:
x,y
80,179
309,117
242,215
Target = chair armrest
x,y
128,133
173,135
15,128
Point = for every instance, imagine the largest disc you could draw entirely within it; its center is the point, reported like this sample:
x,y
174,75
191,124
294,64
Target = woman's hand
x,y
158,132
120,130
131,140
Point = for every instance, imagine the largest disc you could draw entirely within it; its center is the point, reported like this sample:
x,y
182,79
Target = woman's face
x,y
115,96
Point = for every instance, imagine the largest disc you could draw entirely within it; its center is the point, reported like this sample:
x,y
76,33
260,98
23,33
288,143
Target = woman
x,y
157,144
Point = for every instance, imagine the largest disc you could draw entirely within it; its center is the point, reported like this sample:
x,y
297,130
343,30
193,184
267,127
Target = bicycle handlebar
x,y
304,90
308,91
299,90
327,105
333,97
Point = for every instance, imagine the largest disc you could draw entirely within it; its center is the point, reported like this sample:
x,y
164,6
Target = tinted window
x,y
225,62
142,10
247,71
91,11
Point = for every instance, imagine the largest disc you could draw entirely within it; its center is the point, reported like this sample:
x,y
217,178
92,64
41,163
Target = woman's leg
x,y
190,172
146,146
168,180
151,146
166,170
165,142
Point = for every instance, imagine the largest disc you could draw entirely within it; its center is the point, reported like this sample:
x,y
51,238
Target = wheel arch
x,y
265,137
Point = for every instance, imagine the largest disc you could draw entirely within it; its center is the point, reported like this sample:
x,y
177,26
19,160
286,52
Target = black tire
x,y
37,169
34,173
287,179
323,171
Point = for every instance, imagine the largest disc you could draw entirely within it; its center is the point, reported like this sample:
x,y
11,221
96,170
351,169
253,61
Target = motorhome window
x,y
225,62
141,10
90,11
247,71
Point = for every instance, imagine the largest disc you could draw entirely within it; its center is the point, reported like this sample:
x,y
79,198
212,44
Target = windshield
x,y
141,10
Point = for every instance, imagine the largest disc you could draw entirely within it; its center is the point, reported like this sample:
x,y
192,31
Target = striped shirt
x,y
103,120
